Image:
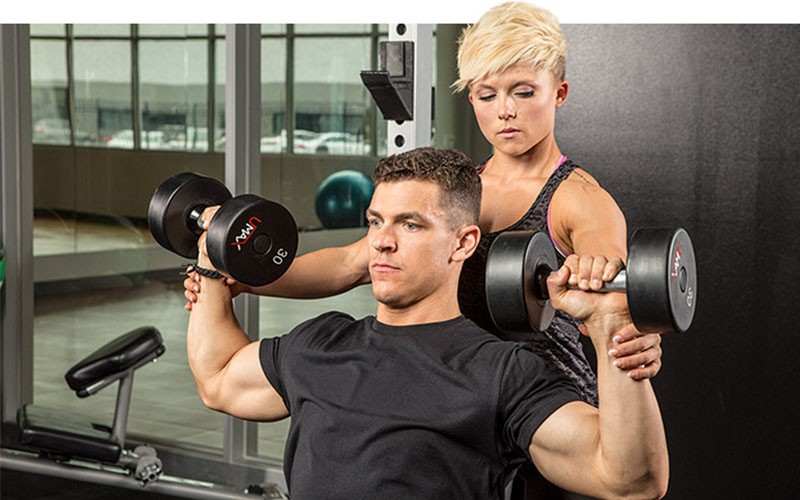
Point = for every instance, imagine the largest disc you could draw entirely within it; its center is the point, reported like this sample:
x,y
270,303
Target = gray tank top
x,y
558,344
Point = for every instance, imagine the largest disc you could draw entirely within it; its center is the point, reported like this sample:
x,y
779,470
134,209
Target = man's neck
x,y
428,310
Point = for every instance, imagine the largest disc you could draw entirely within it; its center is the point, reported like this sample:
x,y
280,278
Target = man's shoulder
x,y
329,321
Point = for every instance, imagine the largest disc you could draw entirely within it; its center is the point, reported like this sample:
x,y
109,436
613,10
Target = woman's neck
x,y
536,162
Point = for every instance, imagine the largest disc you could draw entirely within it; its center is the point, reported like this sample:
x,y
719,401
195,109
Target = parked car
x,y
341,143
51,131
150,139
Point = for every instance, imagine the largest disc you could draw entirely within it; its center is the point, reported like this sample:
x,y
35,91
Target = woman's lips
x,y
381,267
508,133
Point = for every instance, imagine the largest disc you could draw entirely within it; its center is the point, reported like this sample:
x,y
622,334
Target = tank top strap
x,y
546,197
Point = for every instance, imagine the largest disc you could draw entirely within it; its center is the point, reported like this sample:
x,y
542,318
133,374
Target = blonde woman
x,y
512,63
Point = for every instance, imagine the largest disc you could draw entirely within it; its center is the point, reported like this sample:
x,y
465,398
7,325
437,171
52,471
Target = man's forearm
x,y
214,335
322,273
632,441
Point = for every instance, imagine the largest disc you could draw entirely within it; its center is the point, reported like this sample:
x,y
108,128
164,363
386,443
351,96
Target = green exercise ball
x,y
342,198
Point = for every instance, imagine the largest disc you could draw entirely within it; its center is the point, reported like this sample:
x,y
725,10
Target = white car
x,y
150,139
341,143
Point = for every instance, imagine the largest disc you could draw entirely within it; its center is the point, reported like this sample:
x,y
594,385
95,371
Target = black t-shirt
x,y
433,411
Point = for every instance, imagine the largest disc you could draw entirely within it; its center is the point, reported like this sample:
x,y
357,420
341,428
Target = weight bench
x,y
63,436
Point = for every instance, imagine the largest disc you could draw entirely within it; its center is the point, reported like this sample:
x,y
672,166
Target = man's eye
x,y
374,222
411,226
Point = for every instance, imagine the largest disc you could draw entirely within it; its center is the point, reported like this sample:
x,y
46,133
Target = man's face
x,y
410,242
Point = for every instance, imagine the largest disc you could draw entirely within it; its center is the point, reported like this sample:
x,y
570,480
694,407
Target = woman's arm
x,y
323,273
585,220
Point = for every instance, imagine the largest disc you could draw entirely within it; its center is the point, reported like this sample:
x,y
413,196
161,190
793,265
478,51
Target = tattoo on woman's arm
x,y
582,177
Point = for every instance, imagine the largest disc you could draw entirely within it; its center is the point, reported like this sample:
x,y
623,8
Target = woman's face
x,y
516,109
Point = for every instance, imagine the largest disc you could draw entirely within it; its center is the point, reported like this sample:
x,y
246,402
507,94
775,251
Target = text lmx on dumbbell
x,y
247,231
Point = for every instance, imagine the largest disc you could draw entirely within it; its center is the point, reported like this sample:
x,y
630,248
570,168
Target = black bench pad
x,y
65,433
116,356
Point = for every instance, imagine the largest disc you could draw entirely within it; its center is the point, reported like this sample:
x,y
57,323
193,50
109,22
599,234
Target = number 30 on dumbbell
x,y
250,239
660,280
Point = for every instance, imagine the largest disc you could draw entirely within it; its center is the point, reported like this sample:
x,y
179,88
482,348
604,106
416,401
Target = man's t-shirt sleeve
x,y
530,392
273,352
269,355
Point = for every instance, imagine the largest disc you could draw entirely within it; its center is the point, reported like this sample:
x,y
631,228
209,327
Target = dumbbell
x,y
660,280
250,239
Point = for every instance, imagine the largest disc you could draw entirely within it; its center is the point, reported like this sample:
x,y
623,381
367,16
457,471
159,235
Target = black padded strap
x,y
208,273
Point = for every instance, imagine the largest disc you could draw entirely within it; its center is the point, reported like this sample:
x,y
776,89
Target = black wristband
x,y
208,273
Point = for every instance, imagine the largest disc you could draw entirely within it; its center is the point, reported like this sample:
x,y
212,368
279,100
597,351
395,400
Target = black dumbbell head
x,y
516,267
252,240
172,204
661,280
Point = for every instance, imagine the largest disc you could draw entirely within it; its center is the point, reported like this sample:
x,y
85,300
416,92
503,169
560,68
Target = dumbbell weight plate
x,y
171,205
661,280
252,240
512,282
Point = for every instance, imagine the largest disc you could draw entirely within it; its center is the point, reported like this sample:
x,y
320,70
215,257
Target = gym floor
x,y
71,324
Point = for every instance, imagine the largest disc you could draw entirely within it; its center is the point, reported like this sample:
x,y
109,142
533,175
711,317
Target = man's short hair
x,y
511,33
451,170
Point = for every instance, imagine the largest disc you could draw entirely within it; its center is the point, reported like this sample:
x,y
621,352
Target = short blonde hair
x,y
507,34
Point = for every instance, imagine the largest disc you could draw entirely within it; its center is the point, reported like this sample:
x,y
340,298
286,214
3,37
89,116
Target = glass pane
x,y
273,29
102,72
273,95
49,98
332,28
173,92
179,30
48,30
331,103
101,29
219,95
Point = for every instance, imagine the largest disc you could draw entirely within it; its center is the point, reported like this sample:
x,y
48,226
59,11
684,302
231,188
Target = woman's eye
x,y
487,97
525,93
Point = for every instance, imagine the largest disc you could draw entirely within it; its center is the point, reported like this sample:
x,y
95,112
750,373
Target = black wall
x,y
699,126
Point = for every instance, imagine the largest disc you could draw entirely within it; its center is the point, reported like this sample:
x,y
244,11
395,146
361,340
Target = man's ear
x,y
468,238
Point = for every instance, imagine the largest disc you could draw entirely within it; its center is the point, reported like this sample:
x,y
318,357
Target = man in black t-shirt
x,y
418,402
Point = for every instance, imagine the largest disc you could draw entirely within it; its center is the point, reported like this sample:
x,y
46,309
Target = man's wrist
x,y
603,330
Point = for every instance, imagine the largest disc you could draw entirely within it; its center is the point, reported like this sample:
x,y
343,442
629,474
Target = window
x,y
173,92
102,75
49,92
331,105
161,87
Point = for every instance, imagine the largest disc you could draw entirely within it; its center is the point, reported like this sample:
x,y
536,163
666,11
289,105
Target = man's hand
x,y
638,354
208,214
607,310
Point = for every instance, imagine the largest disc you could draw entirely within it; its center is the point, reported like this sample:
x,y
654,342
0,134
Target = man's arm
x,y
618,450
223,360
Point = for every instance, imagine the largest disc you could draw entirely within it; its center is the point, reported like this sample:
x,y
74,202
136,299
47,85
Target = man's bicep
x,y
245,392
565,448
